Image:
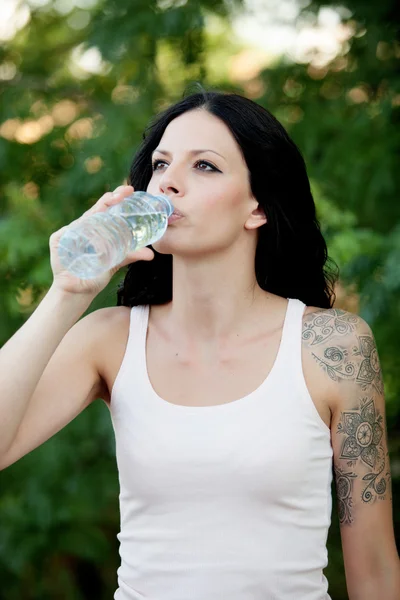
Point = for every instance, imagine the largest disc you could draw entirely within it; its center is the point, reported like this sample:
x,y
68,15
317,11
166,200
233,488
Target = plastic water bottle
x,y
101,241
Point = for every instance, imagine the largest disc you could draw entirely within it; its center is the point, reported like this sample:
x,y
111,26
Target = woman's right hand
x,y
66,281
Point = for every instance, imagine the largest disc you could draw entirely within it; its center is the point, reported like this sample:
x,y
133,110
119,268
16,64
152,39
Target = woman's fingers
x,y
109,199
142,254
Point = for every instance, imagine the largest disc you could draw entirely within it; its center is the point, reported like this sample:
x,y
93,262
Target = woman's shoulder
x,y
341,321
115,313
106,320
109,326
112,332
334,341
329,328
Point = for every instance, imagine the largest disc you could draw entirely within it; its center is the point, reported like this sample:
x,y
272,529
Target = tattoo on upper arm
x,y
363,431
344,492
359,363
346,355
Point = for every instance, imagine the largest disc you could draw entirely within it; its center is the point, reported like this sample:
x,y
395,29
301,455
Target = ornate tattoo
x,y
348,356
344,488
360,362
363,431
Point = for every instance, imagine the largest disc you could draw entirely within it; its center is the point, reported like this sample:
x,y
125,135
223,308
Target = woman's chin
x,y
163,246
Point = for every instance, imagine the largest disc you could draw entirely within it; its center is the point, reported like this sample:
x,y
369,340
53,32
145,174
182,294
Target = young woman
x,y
231,381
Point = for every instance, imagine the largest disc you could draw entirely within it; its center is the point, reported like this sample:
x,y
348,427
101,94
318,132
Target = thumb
x,y
142,254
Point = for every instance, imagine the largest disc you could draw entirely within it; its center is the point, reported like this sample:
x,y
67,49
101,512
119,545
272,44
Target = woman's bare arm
x,y
26,355
343,346
48,369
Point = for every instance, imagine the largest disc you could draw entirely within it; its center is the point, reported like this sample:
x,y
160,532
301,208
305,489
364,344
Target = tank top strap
x,y
137,333
290,347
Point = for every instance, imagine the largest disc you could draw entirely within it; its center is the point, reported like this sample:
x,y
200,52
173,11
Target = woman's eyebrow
x,y
191,152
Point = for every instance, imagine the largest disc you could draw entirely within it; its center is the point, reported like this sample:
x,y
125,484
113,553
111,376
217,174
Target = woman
x,y
231,380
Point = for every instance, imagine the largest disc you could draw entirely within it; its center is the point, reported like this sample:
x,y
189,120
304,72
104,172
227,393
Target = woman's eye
x,y
156,163
201,165
207,164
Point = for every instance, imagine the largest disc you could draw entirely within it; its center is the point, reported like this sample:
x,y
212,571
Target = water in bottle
x,y
98,242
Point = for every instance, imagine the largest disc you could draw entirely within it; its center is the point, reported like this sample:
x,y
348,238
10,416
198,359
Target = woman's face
x,y
199,166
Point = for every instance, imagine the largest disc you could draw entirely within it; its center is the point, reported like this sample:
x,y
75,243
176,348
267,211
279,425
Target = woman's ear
x,y
256,219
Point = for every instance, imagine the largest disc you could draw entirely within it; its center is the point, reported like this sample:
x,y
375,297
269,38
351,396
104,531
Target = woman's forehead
x,y
198,129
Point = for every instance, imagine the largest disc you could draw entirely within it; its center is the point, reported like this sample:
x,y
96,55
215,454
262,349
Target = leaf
x,y
369,477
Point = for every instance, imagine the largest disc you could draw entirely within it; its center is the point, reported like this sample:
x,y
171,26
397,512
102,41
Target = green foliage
x,y
59,513
68,135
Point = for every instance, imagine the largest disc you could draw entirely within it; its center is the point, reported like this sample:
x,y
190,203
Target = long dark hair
x,y
291,253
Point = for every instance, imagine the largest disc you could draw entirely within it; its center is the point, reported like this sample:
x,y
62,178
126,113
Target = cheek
x,y
221,218
153,187
228,200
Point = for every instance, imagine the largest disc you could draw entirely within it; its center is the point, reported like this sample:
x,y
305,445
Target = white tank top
x,y
222,502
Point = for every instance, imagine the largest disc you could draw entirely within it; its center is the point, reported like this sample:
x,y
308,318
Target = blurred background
x,y
79,80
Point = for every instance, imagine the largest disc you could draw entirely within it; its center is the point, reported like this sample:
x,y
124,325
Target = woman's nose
x,y
169,182
167,187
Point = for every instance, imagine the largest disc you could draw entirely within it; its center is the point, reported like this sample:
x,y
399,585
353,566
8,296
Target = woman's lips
x,y
174,217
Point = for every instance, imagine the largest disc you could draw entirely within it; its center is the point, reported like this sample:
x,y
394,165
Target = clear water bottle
x,y
101,241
